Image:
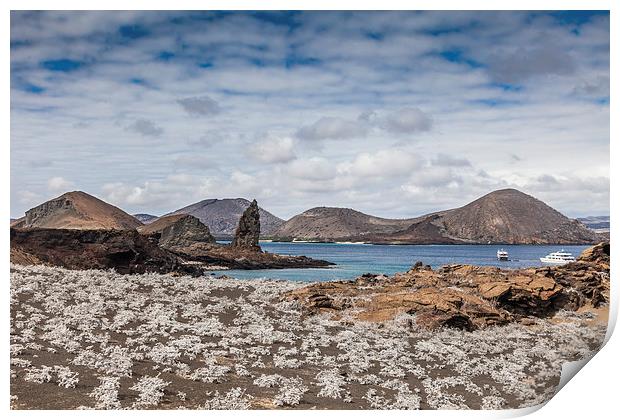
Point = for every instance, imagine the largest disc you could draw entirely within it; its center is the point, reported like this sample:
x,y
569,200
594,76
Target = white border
x,y
591,395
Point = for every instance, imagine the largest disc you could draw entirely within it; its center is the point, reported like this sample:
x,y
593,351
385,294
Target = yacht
x,y
560,257
502,255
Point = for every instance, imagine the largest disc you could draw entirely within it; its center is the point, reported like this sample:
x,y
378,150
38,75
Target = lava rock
x,y
248,230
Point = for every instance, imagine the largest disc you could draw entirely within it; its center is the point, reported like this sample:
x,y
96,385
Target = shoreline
x,y
421,244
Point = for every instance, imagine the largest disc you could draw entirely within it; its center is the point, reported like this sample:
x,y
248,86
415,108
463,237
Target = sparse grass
x,y
100,340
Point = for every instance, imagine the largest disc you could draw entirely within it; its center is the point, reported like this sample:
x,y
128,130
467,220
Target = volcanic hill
x,y
332,223
145,217
503,216
510,216
76,210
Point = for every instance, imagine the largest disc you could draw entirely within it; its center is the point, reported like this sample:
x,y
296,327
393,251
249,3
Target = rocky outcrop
x,y
246,259
77,210
248,229
222,216
423,232
465,296
586,281
125,251
178,231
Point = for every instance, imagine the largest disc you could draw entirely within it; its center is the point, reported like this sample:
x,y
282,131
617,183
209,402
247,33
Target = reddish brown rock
x,y
465,296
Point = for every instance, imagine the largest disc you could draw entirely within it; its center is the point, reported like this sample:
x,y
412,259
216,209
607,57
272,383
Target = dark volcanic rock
x,y
248,230
244,258
179,230
126,251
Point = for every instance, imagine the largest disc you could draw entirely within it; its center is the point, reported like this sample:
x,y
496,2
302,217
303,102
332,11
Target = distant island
x,y
505,216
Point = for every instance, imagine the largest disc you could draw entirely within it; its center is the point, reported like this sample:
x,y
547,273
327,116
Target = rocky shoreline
x,y
464,296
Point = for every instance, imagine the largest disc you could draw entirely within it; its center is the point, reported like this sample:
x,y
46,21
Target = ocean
x,y
353,260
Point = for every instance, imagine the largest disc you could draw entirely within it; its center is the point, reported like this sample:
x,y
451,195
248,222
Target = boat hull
x,y
553,261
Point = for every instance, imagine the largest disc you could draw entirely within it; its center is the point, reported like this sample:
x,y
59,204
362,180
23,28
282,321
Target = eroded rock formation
x,y
248,229
178,231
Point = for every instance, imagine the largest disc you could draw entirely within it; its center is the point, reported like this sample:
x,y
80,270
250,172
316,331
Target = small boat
x,y
560,257
502,255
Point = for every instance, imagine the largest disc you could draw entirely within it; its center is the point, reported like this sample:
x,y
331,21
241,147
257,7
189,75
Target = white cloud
x,y
165,195
146,128
523,63
272,150
443,159
407,120
86,121
332,128
200,105
391,162
567,191
58,183
315,168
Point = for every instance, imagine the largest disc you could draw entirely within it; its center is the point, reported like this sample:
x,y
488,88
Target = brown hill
x,y
77,210
510,216
503,216
333,223
422,232
178,230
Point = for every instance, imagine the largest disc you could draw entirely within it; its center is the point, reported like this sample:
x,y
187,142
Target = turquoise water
x,y
352,260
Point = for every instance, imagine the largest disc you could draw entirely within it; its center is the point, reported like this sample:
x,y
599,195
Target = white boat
x,y
502,255
560,257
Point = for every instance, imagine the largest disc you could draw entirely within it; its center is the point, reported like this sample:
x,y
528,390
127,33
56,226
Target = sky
x,y
395,114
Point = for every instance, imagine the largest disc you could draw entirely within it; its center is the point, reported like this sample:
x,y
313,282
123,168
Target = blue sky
x,y
392,113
